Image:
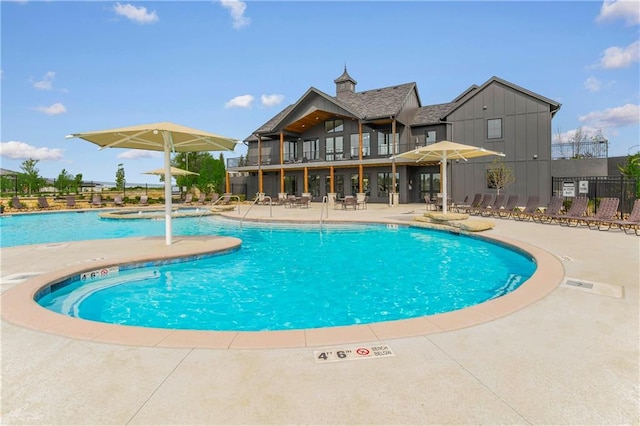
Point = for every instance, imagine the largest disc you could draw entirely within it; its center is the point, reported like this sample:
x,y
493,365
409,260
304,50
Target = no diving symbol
x,y
362,351
104,272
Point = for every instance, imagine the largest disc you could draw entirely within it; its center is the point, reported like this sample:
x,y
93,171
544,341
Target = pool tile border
x,y
19,307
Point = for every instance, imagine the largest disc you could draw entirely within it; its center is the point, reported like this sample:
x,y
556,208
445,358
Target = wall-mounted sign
x,y
568,189
583,187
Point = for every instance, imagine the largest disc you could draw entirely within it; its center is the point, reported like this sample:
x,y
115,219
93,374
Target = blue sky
x,y
227,67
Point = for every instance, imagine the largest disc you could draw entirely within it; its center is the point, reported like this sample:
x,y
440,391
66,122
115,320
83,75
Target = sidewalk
x,y
571,357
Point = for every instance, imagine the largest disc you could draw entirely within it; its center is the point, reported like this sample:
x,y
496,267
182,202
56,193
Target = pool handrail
x,y
253,204
325,203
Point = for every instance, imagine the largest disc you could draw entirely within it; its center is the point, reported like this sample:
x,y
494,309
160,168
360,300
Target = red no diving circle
x,y
362,351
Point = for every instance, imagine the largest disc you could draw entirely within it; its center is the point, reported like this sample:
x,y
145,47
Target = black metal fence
x,y
595,187
598,148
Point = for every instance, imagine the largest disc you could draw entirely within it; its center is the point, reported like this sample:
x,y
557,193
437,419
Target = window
x,y
290,151
355,145
311,149
494,128
384,143
333,126
335,148
385,183
355,183
314,185
430,136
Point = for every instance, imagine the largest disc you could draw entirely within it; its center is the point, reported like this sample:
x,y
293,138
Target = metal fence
x,y
586,149
596,187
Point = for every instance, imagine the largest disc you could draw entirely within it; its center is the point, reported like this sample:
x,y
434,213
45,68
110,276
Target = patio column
x,y
331,196
227,183
360,155
394,197
281,163
259,164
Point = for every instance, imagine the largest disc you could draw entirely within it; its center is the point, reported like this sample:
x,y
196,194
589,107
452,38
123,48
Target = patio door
x,y
429,185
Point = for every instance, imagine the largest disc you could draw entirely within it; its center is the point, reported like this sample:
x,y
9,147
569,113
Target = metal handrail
x,y
325,202
220,199
253,204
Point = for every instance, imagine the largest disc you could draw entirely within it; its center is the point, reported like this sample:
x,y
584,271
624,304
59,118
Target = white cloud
x,y
236,9
618,57
46,83
135,154
243,101
55,109
593,84
626,115
271,100
23,151
138,15
629,11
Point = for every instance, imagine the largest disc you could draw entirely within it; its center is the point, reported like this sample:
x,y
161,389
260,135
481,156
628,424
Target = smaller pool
x,y
295,277
132,214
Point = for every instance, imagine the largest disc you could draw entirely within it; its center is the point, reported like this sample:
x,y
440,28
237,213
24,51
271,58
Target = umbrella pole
x,y
444,182
167,185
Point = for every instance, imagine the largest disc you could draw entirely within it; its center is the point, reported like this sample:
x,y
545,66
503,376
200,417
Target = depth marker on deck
x,y
353,353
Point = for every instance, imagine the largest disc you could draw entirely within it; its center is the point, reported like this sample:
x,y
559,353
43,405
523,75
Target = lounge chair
x,y
214,198
17,204
475,203
463,205
118,201
71,202
96,201
44,204
607,211
202,198
486,200
530,209
576,212
226,199
188,199
144,200
632,222
552,209
509,208
493,208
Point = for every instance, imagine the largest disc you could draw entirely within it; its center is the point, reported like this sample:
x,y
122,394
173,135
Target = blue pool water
x,y
293,277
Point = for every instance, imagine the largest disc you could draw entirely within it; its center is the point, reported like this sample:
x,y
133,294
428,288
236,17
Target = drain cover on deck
x,y
594,287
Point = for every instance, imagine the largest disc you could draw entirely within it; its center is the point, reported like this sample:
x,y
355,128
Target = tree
x,y
77,181
120,177
64,182
631,170
499,176
31,179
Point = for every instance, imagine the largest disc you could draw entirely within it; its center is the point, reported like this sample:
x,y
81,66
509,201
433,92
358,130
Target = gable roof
x,y
377,103
474,90
431,114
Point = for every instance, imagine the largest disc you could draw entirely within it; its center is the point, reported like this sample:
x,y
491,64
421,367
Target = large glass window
x,y
290,151
385,183
335,147
384,143
311,149
494,128
338,185
314,185
430,136
334,126
291,185
355,145
429,185
355,183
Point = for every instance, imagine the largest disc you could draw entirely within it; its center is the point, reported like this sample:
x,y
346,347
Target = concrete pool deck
x,y
571,357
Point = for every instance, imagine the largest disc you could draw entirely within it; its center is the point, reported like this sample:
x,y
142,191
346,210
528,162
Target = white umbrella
x,y
166,137
443,151
173,170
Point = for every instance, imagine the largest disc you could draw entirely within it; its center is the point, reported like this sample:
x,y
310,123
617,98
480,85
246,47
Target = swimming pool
x,y
287,278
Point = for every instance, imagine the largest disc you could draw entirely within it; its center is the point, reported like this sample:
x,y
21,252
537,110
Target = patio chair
x,y
463,205
477,199
493,208
530,209
607,211
486,200
350,202
144,200
631,223
362,203
188,199
17,204
429,202
43,203
96,201
226,199
552,209
118,201
214,198
303,202
510,208
202,198
71,202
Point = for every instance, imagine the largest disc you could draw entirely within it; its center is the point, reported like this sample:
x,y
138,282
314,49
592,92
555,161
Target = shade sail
x,y
443,151
166,137
174,172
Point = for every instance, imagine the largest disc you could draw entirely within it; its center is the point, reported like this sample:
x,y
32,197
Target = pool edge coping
x,y
20,308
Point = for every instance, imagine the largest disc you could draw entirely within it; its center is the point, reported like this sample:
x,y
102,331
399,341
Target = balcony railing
x,y
587,149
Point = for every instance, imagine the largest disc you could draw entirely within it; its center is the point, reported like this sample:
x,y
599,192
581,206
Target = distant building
x,y
342,144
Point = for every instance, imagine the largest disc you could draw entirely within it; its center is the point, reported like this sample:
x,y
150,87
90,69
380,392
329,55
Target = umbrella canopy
x,y
165,137
443,151
174,172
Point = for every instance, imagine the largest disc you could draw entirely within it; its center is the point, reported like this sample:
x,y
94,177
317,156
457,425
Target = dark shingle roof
x,y
378,102
431,114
